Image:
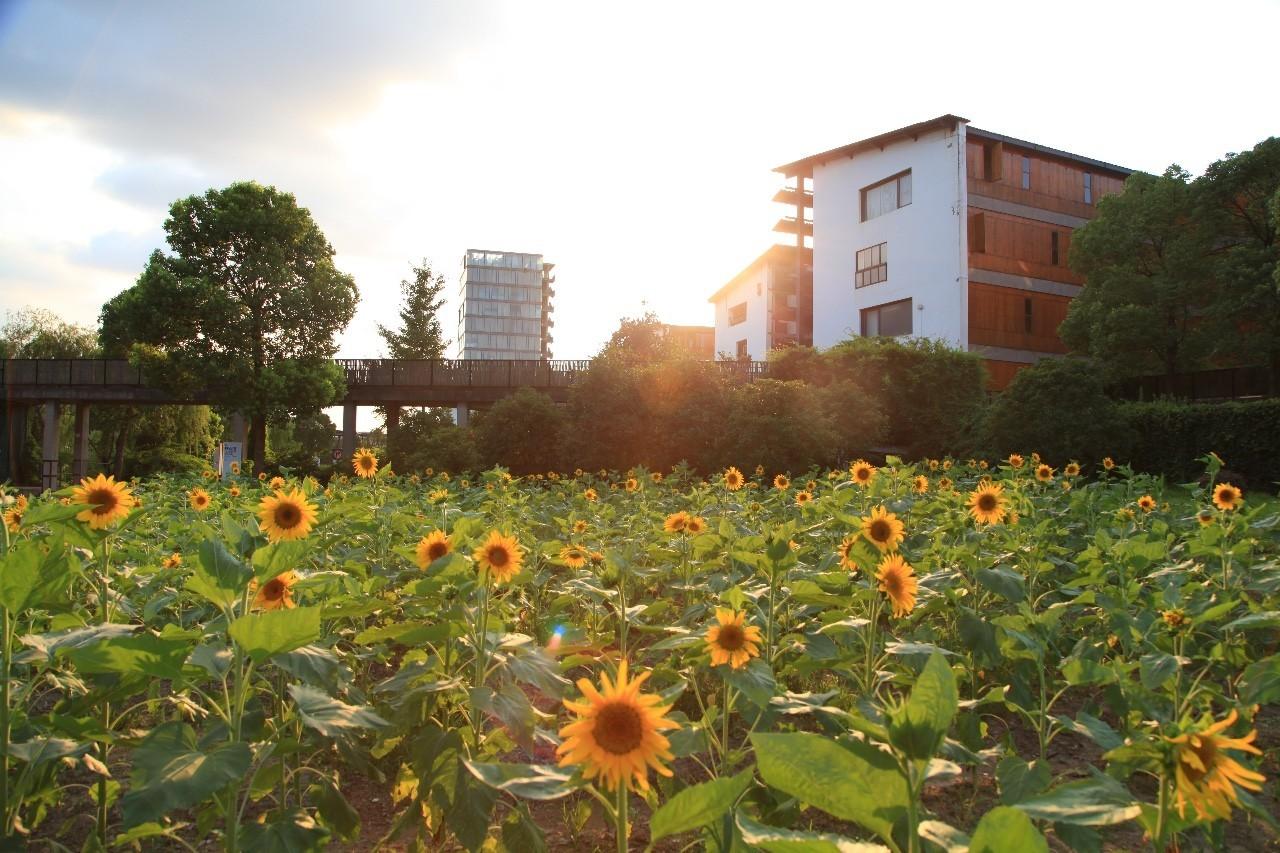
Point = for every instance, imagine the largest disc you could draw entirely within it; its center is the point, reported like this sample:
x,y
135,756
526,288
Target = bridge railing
x,y
69,371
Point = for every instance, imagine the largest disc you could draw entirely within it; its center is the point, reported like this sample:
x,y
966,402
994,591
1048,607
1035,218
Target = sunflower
x,y
695,524
437,496
1016,460
617,735
811,486
13,519
632,484
365,463
1124,514
731,641
1205,517
655,477
574,556
898,581
803,497
579,526
986,503
590,495
946,464
1146,503
108,501
781,482
843,550
275,594
1044,473
1227,496
1206,777
733,479
676,522
276,483
172,561
199,499
432,547
234,491
1072,469
262,476
883,529
920,484
286,515
1175,618
500,557
862,472
235,467
983,464
933,464
944,484
759,470
1108,463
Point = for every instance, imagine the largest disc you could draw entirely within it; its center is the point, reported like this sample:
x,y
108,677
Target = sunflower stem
x,y
620,817
724,729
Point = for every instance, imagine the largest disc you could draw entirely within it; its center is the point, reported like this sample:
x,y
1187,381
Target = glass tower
x,y
504,306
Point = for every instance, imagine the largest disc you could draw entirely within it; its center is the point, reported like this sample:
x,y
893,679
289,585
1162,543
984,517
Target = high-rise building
x,y
504,306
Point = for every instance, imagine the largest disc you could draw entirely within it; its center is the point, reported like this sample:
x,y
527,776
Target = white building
x,y
766,306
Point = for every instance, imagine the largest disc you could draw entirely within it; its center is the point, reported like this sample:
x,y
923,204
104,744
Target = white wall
x,y
928,251
753,290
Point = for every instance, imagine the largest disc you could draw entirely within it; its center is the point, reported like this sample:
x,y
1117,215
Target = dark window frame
x,y
1055,255
1088,188
892,179
871,265
879,309
741,316
741,349
1026,172
1028,315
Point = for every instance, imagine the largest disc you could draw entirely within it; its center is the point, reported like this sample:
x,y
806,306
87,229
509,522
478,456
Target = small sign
x,y
229,453
337,454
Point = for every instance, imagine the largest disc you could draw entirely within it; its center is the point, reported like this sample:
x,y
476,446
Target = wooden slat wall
x,y
1055,184
997,317
1001,373
1011,244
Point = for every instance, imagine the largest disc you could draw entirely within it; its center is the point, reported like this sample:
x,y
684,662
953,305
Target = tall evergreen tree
x,y
420,335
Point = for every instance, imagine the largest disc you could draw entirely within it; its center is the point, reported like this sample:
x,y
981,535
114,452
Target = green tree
x,y
420,335
1060,409
1146,260
522,432
38,333
1235,201
245,309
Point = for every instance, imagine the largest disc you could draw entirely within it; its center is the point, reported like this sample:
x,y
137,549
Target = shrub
x,y
1168,436
1060,409
780,425
522,432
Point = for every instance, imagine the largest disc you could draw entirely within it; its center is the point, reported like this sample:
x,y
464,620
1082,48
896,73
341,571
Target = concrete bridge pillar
x,y
50,473
348,435
15,443
80,460
463,415
393,425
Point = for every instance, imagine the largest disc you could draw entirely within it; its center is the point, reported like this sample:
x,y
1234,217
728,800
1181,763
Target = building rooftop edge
x,y
1054,152
774,251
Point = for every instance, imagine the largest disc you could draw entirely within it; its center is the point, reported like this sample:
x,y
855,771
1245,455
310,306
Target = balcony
x,y
793,196
791,225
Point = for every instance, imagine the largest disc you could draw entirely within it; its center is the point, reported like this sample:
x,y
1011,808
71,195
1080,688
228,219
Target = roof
x,y
1053,152
805,165
777,253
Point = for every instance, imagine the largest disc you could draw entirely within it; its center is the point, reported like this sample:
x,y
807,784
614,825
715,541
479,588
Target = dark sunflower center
x,y
274,590
287,515
498,556
880,530
103,501
1227,495
732,638
1207,752
863,473
619,728
436,550
366,463
986,502
893,584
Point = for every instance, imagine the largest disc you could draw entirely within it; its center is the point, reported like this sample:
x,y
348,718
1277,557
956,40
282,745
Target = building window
x,y
873,265
1088,188
738,314
1027,317
1026,173
742,350
1053,248
886,196
888,320
759,288
993,160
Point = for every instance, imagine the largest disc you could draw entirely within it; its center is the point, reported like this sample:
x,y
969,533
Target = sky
x,y
631,144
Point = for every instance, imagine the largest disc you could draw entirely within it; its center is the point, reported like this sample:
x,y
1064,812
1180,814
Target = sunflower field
x,y
940,655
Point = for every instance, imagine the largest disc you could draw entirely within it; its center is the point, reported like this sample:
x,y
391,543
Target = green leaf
x,y
1020,780
1261,681
315,665
1004,582
977,635
1099,801
698,805
919,726
754,681
29,577
1091,727
944,835
531,781
334,810
40,750
851,780
1155,668
1005,829
272,560
406,633
171,772
521,832
329,716
46,646
1255,621
294,832
775,840
1079,671
140,654
276,631
143,831
218,575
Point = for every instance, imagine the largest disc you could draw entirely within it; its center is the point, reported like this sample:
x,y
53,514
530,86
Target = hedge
x,y
1167,437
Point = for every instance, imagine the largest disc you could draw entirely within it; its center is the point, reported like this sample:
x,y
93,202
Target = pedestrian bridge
x,y
390,383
